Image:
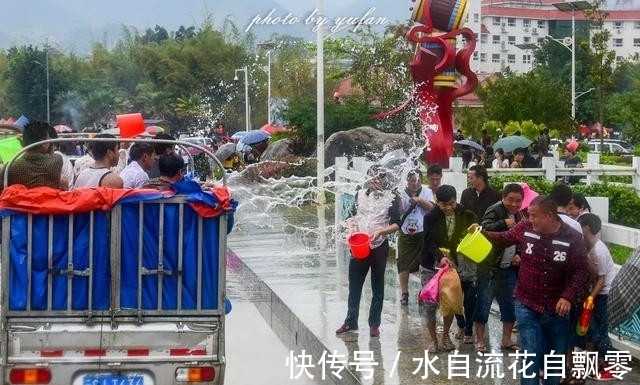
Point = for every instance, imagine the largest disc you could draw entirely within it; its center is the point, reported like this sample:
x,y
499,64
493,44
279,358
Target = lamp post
x,y
572,6
247,108
46,70
269,46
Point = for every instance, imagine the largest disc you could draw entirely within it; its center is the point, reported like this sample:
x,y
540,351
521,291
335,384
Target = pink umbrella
x,y
271,129
60,128
154,130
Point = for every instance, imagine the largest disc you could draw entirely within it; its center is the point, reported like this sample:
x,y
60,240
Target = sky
x,y
73,25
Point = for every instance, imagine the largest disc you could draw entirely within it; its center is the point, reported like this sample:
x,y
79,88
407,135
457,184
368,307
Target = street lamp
x,y
247,108
572,6
46,69
269,46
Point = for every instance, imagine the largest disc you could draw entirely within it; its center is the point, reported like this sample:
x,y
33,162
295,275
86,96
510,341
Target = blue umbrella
x,y
254,136
470,143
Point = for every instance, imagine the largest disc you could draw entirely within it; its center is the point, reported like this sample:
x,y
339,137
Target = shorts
x,y
409,250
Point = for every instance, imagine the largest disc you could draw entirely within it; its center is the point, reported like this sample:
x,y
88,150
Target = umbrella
x,y
254,136
225,151
470,143
154,130
624,301
60,128
272,129
9,147
510,143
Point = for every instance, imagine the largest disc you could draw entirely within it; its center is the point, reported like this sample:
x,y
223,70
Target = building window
x,y
483,57
526,59
526,23
511,22
496,21
511,40
511,59
617,42
636,42
475,55
636,25
483,39
526,39
495,58
541,40
619,59
495,39
542,24
476,18
617,25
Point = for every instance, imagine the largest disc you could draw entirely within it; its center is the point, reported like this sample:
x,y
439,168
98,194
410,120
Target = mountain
x,y
74,25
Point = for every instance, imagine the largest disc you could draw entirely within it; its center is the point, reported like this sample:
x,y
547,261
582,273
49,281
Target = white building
x,y
502,26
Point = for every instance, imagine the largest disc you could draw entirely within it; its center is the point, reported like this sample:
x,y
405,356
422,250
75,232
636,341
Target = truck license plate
x,y
113,380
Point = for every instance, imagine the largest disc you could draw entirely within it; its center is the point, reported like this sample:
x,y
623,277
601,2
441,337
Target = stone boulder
x,y
277,150
363,141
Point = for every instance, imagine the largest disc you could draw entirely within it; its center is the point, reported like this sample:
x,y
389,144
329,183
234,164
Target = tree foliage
x,y
532,96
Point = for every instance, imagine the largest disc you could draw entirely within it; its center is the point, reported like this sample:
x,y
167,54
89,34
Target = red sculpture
x,y
434,70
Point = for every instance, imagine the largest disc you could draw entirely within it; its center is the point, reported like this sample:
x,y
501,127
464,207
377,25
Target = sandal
x,y
468,340
481,348
459,334
447,344
513,347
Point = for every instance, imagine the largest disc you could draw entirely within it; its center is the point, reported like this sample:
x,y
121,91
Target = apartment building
x,y
509,31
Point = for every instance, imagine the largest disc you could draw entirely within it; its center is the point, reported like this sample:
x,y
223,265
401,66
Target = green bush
x,y
624,203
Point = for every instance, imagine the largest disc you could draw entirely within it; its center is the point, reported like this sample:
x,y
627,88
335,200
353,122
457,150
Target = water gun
x,y
585,317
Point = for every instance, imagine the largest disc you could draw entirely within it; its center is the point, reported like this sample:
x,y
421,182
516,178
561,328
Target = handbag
x,y
431,290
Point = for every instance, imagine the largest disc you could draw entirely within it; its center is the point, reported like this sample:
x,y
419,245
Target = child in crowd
x,y
597,334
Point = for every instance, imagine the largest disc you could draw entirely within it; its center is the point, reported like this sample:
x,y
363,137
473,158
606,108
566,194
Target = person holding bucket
x,y
553,269
497,273
377,214
417,201
446,226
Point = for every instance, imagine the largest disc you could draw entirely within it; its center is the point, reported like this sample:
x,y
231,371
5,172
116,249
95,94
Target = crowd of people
x,y
546,261
106,163
519,157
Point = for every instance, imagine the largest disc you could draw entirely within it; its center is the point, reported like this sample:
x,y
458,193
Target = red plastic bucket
x,y
359,245
130,125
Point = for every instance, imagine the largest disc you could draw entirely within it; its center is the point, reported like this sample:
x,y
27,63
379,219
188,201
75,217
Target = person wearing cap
x,y
376,212
571,160
497,273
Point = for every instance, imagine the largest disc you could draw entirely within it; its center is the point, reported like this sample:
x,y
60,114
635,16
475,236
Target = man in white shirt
x,y
142,158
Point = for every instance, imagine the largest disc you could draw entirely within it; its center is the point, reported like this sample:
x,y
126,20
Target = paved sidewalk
x,y
302,291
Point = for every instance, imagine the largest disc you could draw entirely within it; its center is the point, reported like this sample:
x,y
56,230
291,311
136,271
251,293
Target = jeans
x,y
500,287
358,270
541,333
598,331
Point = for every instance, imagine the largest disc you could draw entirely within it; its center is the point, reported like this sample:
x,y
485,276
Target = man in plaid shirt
x,y
553,268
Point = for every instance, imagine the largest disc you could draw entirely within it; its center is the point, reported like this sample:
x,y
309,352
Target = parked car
x,y
615,146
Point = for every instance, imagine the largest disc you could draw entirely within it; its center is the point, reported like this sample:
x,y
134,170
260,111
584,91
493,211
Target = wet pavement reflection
x,y
301,290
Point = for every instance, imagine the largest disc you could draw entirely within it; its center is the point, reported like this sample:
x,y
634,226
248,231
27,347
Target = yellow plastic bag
x,y
450,293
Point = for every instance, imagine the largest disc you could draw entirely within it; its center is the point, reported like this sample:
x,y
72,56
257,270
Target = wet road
x,y
255,355
301,290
